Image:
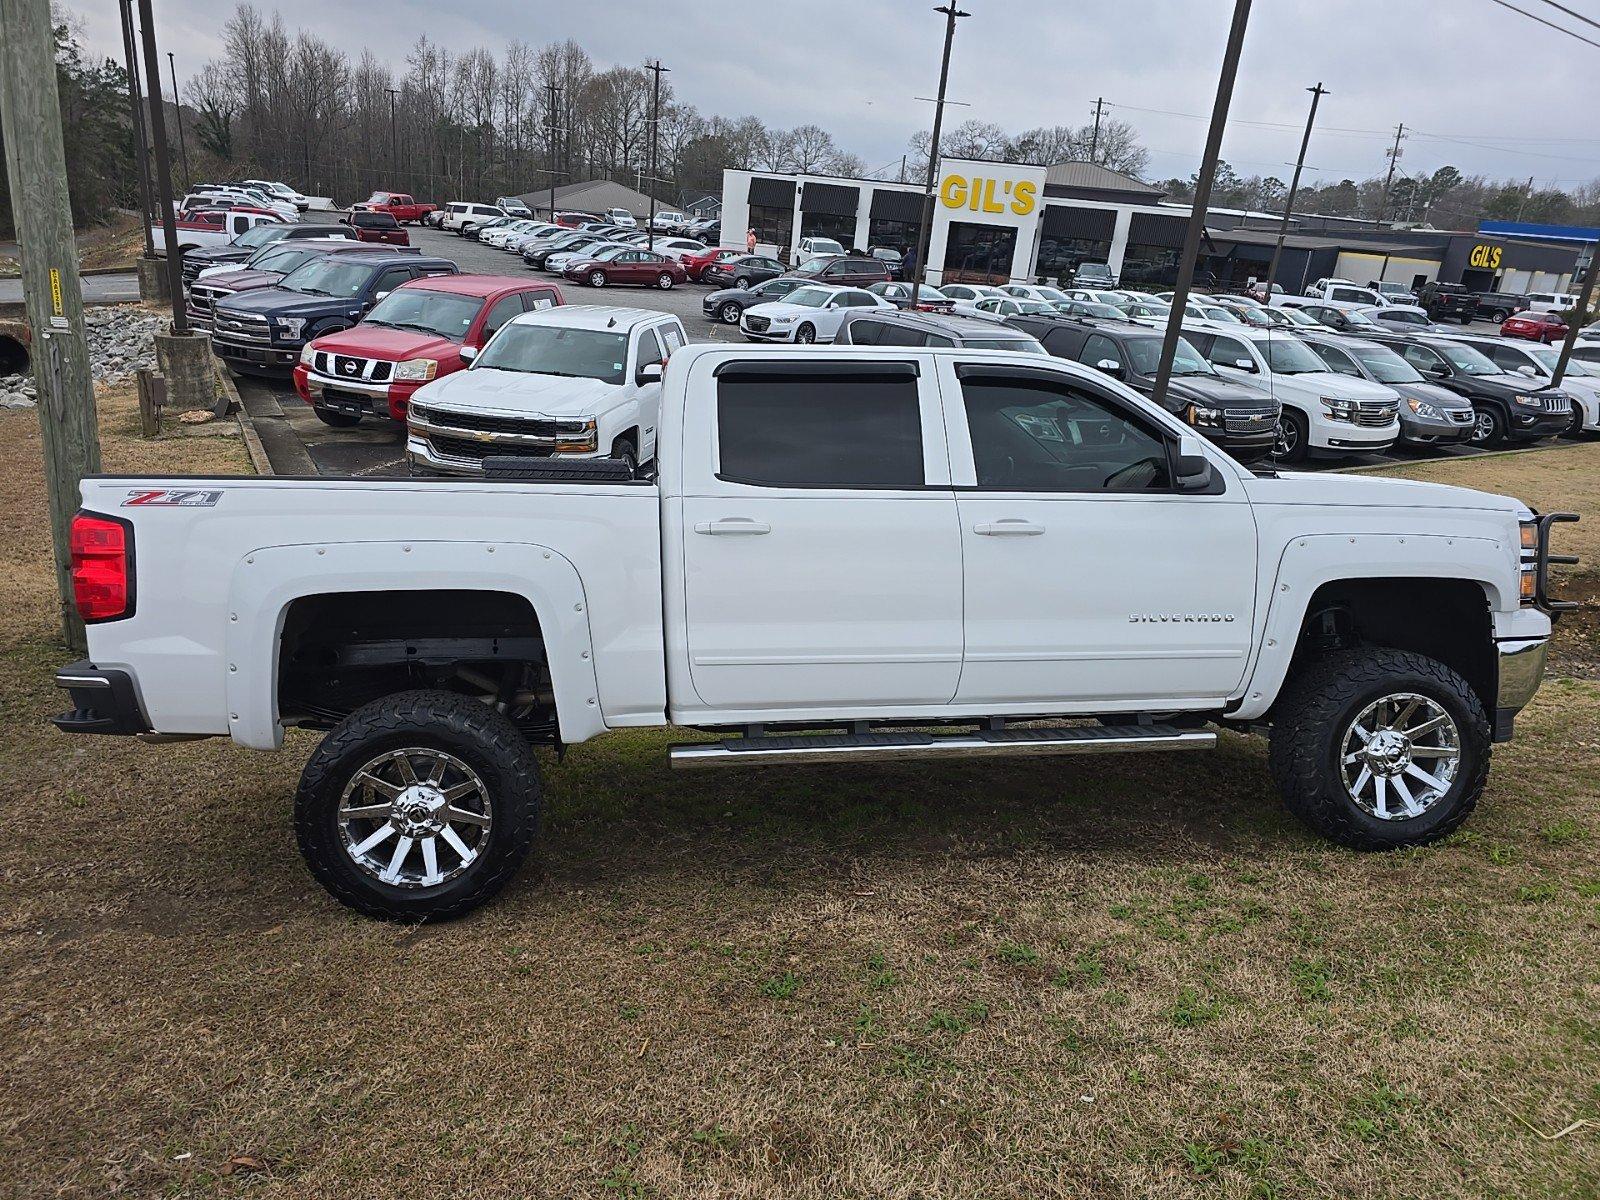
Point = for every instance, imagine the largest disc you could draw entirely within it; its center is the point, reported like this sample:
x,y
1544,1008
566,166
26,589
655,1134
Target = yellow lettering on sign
x,y
989,204
953,191
1022,198
981,195
1486,256
55,292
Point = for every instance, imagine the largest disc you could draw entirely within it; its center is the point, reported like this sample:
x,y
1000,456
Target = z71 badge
x,y
171,498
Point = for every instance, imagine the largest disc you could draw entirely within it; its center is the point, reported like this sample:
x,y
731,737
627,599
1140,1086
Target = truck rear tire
x,y
1377,748
418,806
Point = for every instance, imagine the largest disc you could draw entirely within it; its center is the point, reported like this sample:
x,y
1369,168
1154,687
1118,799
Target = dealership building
x,y
999,222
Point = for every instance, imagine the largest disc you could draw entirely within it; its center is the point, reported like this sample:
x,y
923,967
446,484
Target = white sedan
x,y
1029,291
808,314
998,308
967,295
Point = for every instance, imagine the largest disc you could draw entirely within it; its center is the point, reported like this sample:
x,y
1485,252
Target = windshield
x,y
810,297
1296,317
1287,355
327,277
1465,359
826,246
1186,360
261,235
1021,345
1050,293
425,311
1225,315
1386,366
283,258
1361,318
547,350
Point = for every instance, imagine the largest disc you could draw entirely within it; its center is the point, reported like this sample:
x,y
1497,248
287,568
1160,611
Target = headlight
x,y
1340,410
577,437
1527,580
290,327
1527,401
1199,414
1423,409
781,320
417,369
307,354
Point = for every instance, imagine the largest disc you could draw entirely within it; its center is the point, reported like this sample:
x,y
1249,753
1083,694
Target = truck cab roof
x,y
595,316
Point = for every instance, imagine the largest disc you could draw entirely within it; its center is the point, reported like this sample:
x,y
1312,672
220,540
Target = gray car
x,y
1429,414
902,327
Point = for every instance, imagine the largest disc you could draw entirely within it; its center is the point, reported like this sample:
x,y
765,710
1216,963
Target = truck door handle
x,y
1008,527
733,525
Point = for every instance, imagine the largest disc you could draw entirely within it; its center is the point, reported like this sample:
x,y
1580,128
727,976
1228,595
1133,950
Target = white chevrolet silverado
x,y
870,553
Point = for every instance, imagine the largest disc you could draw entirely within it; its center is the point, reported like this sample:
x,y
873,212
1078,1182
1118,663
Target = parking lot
x,y
371,450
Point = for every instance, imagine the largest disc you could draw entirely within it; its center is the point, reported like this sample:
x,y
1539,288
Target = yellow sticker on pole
x,y
55,293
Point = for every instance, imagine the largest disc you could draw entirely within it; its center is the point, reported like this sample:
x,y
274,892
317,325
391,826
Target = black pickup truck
x,y
1497,306
1448,300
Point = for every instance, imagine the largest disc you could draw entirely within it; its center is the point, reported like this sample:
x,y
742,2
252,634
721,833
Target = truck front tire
x,y
418,806
1377,748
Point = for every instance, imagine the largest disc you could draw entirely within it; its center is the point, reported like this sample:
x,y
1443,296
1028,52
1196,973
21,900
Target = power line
x,y
1573,13
1551,24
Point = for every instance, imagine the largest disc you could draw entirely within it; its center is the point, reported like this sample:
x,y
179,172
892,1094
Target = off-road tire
x,y
466,728
1309,721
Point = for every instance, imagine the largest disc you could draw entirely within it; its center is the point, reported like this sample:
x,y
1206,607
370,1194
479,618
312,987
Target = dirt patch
x,y
118,243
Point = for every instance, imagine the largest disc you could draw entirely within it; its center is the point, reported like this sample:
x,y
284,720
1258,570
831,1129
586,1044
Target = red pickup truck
x,y
421,331
397,204
369,226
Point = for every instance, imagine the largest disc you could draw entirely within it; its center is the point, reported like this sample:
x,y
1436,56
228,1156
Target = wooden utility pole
x,y
177,115
1317,93
141,144
36,164
1388,179
1094,138
924,235
158,139
655,69
1576,317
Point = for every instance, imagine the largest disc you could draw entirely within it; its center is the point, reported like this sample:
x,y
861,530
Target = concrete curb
x,y
247,426
1556,443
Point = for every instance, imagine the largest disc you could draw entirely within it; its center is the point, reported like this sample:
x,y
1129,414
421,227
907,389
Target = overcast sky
x,y
1483,89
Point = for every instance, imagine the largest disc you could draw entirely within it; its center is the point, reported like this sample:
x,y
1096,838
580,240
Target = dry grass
x,y
1068,979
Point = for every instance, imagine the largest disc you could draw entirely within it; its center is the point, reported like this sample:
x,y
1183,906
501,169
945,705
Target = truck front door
x,y
1090,584
821,555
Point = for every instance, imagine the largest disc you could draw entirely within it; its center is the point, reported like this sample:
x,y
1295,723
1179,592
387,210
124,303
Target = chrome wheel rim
x,y
665,281
1288,437
730,314
806,334
415,817
1482,427
1400,756
597,279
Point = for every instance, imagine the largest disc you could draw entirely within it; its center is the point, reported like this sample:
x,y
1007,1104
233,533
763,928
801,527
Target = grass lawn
x,y
1128,977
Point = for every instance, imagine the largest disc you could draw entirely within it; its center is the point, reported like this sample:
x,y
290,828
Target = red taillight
x,y
101,583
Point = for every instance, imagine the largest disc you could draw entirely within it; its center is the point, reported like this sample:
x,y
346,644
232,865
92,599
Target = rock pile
x,y
121,340
18,391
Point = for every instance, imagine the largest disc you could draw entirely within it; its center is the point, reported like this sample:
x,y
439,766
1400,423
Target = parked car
x,y
1394,293
807,314
998,308
1030,291
1535,326
571,220
1094,275
1239,417
669,221
741,271
264,269
1319,289
621,218
1324,413
844,270
1447,301
900,327
695,263
1559,301
941,557
512,206
580,381
537,254
889,257
965,295
461,216
557,262
280,191
1508,407
1430,415
263,331
1400,317
498,235
1350,319
399,205
1110,312
1499,306
673,247
516,243
817,247
422,331
624,265
233,197
378,227
204,230
250,243
918,296
728,304
1581,381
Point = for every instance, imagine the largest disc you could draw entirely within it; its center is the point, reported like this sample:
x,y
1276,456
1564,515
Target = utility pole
x,y
1202,196
1576,316
177,112
141,146
394,151
1388,179
902,168
1094,138
657,70
951,15
553,91
1527,194
36,165
158,139
1317,93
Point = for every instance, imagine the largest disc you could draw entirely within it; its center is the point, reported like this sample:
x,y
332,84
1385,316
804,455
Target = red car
x,y
698,260
1535,326
377,227
397,204
621,264
422,330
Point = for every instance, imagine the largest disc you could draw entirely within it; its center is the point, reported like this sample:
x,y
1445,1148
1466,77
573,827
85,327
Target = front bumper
x,y
1418,431
251,355
353,397
1530,426
1521,668
104,700
421,452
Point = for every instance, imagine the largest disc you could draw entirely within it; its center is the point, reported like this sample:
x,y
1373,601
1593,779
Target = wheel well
x,y
1446,619
340,650
628,436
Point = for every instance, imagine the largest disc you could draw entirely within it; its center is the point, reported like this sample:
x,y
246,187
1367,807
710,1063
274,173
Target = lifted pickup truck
x,y
870,554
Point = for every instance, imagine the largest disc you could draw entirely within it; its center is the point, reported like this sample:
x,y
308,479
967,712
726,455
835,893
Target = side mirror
x,y
1244,364
649,373
1527,369
468,353
379,296
1109,365
832,304
1436,372
1191,468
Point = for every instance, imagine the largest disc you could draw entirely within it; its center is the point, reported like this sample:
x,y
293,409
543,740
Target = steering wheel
x,y
1135,476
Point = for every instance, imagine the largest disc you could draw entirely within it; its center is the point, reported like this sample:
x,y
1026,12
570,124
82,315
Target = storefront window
x,y
840,229
1148,267
772,225
1059,257
978,253
897,235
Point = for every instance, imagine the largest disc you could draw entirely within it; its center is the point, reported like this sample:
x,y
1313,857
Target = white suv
x,y
461,216
808,314
621,218
1324,413
575,381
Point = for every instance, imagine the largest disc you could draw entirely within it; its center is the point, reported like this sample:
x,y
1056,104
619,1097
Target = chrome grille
x,y
1460,416
756,324
245,328
350,366
1243,420
1373,414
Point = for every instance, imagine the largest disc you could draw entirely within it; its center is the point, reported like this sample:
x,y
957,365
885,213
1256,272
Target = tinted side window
x,y
1421,358
864,333
1505,356
902,335
1036,435
649,348
1226,352
1098,348
504,309
391,279
827,429
1063,343
1338,360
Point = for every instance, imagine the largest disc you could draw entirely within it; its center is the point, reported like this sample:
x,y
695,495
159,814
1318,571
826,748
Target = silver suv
x,y
897,327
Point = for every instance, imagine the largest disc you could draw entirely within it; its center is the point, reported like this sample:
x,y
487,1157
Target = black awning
x,y
890,205
829,199
772,193
1089,224
1151,229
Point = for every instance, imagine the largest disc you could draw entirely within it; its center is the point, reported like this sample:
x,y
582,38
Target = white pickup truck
x,y
218,228
870,554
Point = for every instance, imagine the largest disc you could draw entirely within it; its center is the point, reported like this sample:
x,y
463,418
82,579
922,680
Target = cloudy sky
x,y
1482,88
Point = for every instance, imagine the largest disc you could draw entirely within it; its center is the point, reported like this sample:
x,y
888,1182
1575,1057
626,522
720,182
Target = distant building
x,y
706,206
594,195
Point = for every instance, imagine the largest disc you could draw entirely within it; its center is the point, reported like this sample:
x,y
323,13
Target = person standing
x,y
750,241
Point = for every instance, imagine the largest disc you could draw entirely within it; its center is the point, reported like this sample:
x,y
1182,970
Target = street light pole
x,y
1317,93
177,113
394,150
553,91
1202,196
141,145
655,134
951,15
158,139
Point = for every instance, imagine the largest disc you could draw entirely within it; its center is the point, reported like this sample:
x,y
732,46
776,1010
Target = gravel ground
x,y
121,340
